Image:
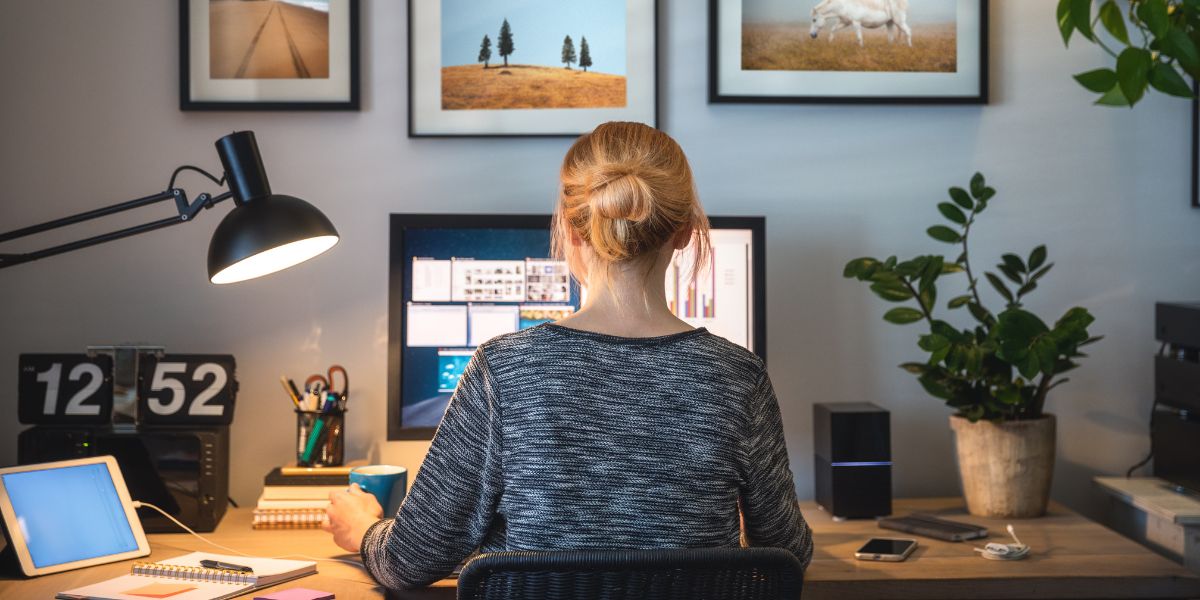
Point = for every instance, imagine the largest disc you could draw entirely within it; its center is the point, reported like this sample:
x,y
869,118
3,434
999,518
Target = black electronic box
x,y
1175,425
853,455
182,470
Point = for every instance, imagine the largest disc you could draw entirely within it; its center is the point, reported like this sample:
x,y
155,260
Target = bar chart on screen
x,y
718,298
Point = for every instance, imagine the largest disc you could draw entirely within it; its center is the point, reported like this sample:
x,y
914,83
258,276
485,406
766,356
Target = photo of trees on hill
x,y
505,55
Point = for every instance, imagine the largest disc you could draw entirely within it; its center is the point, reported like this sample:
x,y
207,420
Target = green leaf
x,y
1081,17
977,184
1028,367
1099,81
1154,14
1009,395
1133,73
1167,80
980,313
1038,275
1066,25
932,341
928,298
857,268
1114,22
999,285
891,293
952,213
1014,262
961,198
1025,289
1012,275
915,368
1037,258
1178,45
986,194
942,233
958,301
1114,97
903,315
951,268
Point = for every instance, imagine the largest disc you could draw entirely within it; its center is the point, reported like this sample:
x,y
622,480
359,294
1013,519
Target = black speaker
x,y
852,448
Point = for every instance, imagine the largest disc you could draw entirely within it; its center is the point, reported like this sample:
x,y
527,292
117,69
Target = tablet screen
x,y
68,514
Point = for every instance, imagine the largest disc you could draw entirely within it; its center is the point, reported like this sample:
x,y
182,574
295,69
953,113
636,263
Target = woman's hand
x,y
351,513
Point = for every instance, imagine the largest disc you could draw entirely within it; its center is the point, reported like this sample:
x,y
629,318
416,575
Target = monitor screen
x,y
67,514
460,280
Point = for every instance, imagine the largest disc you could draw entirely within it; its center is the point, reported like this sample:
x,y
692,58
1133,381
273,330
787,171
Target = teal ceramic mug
x,y
387,483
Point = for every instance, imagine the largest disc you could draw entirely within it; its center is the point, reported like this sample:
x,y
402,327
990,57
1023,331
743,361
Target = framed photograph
x,y
848,51
529,67
268,55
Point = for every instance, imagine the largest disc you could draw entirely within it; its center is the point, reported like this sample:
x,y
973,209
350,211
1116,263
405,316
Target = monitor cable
x,y
140,504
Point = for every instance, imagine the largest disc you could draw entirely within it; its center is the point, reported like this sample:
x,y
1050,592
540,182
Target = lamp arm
x,y
185,212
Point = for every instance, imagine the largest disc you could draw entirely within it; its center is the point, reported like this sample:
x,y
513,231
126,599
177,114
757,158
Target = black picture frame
x,y
186,103
412,133
715,96
398,269
1195,144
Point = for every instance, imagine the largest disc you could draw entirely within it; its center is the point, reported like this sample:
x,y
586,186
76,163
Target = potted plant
x,y
1166,44
996,373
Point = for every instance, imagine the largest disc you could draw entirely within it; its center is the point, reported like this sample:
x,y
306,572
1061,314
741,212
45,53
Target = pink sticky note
x,y
297,594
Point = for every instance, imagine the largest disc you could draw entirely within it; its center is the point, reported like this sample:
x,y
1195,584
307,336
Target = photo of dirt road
x,y
268,39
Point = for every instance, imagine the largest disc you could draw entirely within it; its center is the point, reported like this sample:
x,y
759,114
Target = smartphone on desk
x,y
886,549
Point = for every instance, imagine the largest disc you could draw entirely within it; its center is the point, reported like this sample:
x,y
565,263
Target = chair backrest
x,y
724,573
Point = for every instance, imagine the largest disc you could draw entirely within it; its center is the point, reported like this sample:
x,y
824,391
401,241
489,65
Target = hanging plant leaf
x,y
1066,25
1133,72
1165,79
958,301
1099,81
977,184
1114,21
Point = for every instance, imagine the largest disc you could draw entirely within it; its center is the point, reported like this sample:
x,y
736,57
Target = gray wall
x,y
90,117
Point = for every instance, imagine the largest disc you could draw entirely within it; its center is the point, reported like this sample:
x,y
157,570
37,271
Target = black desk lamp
x,y
263,233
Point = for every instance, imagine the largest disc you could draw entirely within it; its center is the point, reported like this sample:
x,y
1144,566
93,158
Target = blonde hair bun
x,y
627,190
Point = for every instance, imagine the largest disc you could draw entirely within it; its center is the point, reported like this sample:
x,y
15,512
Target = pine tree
x,y
505,43
568,51
585,57
485,51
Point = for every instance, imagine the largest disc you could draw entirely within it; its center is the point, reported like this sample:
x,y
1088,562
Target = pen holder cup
x,y
320,438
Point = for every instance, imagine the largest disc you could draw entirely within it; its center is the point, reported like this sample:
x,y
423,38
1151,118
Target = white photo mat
x,y
735,81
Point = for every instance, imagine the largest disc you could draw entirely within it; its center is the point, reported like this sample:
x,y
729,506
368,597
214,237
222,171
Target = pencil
x,y
288,390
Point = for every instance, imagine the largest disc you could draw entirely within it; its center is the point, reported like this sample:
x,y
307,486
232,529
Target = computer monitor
x,y
457,280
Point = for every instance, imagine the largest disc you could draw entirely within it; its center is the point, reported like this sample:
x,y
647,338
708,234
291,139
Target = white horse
x,y
861,13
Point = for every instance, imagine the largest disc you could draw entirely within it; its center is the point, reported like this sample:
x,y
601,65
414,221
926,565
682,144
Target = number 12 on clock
x,y
64,389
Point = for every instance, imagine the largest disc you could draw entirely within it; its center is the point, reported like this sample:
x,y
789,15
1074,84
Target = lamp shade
x,y
267,235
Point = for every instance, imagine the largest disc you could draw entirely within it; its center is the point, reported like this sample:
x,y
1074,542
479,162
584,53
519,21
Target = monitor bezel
x,y
397,270
17,539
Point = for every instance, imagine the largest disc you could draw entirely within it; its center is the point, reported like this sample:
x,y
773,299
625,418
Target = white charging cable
x,y
1015,551
140,504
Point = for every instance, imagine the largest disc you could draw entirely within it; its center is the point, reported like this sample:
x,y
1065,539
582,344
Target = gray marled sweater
x,y
560,439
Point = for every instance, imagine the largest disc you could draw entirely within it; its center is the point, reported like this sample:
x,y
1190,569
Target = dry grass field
x,y
788,47
529,86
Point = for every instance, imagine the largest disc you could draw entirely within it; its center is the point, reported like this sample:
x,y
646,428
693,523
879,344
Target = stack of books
x,y
296,497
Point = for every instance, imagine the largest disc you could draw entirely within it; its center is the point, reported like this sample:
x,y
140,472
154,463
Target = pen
x,y
216,564
292,386
288,390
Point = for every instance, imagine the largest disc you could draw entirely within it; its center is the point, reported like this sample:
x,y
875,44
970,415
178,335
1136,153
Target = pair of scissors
x,y
324,383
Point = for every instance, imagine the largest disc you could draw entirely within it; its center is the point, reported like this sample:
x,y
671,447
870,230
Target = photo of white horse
x,y
871,14
889,35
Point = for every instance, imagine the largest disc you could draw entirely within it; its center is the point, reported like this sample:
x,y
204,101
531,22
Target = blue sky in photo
x,y
766,11
538,27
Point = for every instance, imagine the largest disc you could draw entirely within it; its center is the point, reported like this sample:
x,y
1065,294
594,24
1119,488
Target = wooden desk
x,y
1072,558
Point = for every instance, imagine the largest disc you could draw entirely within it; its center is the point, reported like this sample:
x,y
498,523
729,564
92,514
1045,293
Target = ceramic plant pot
x,y
1005,467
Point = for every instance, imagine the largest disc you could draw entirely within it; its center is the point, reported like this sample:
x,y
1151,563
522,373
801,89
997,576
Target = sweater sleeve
x,y
453,498
768,498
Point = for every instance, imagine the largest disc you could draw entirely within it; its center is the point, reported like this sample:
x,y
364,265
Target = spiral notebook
x,y
182,578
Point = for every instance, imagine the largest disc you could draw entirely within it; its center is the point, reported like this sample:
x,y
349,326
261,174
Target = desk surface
x,y
1072,558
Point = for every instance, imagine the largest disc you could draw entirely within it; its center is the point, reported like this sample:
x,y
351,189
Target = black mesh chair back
x,y
711,573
